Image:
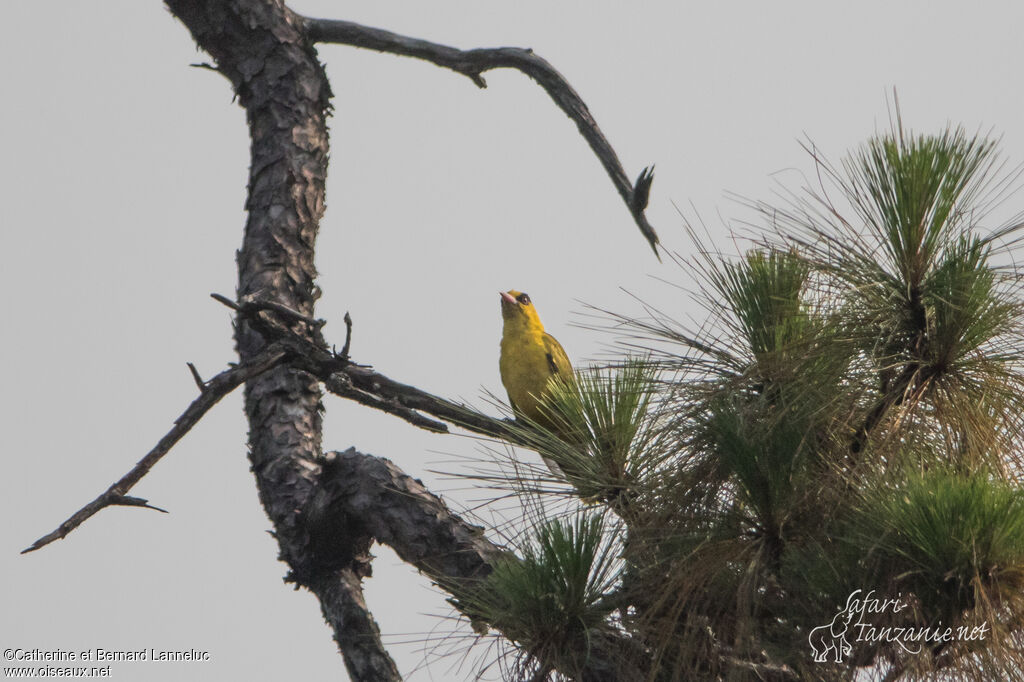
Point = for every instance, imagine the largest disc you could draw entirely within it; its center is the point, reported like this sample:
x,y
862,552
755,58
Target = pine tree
x,y
827,469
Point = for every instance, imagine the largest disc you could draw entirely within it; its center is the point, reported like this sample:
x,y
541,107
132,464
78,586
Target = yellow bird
x,y
530,358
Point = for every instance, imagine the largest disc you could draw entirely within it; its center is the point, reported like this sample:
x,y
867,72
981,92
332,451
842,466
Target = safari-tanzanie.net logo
x,y
867,619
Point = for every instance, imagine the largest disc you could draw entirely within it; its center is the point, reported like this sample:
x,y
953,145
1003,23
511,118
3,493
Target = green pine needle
x,y
605,439
956,541
553,599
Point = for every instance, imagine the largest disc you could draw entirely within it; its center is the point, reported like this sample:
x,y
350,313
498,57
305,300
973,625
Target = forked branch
x,y
210,394
473,64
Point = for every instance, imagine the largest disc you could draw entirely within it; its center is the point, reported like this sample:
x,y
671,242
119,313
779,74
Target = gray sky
x,y
123,174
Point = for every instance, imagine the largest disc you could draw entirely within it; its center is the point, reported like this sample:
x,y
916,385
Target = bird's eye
x,y
523,298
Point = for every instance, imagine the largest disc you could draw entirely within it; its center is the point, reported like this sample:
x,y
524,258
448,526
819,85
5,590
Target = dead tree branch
x,y
473,64
362,383
267,53
366,386
211,393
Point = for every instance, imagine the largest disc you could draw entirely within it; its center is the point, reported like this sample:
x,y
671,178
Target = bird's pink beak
x,y
506,298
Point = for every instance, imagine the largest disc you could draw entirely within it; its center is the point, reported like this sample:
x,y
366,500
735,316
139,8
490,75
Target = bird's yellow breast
x,y
525,370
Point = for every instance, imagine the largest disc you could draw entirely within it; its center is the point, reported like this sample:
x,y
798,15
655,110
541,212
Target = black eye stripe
x,y
523,298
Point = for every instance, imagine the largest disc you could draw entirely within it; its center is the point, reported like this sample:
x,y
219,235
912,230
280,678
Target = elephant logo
x,y
832,637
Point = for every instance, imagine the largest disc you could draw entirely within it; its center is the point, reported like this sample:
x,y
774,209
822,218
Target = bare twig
x,y
128,501
195,376
348,336
225,300
215,389
340,384
473,64
250,307
371,388
366,386
413,398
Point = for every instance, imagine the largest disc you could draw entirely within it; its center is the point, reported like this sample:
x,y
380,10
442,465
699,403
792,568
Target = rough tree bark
x,y
260,48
